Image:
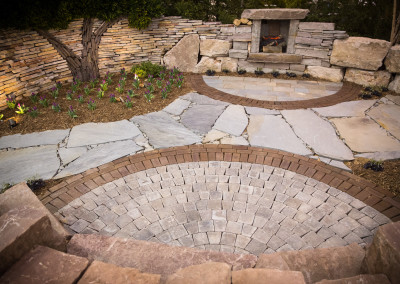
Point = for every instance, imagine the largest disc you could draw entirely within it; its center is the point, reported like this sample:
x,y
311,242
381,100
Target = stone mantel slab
x,y
275,14
275,58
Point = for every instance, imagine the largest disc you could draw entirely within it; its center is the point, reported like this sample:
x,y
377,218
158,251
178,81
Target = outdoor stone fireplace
x,y
273,34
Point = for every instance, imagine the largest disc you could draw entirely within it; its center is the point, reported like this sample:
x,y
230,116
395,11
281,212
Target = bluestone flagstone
x,y
233,120
67,155
32,162
99,155
273,132
177,107
97,133
202,100
388,116
395,99
214,135
163,131
261,111
362,134
380,156
201,118
235,141
318,134
49,137
353,108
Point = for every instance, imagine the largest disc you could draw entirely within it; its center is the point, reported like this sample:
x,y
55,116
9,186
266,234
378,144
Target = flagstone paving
x,y
229,206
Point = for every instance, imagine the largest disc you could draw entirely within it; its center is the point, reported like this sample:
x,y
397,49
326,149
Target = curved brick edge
x,y
348,92
73,187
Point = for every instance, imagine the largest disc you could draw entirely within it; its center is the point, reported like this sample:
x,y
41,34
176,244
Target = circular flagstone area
x,y
265,89
224,206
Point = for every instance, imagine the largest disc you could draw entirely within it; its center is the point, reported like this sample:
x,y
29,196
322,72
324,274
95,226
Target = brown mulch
x,y
105,111
388,179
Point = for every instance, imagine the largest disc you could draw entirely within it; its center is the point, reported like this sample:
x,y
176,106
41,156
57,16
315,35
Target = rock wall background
x,y
29,63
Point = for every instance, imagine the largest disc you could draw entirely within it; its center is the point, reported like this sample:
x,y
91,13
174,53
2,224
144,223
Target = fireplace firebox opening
x,y
274,36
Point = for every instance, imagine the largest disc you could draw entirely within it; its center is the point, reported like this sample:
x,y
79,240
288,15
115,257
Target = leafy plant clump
x,y
241,71
372,92
147,68
376,166
226,71
275,74
291,74
259,71
306,75
35,184
210,72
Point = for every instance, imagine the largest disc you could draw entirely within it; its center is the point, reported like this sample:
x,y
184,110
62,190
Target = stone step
x,y
150,257
21,229
270,276
46,265
363,278
317,264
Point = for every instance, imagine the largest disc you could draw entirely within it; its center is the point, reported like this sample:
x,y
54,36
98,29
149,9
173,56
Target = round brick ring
x,y
348,92
222,197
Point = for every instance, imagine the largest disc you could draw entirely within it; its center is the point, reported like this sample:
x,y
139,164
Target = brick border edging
x,y
348,92
73,187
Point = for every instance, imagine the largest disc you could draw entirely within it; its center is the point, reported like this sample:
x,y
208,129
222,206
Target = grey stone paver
x,y
388,116
201,118
274,132
177,106
353,108
32,162
235,217
317,133
362,134
233,120
50,137
97,133
163,131
100,155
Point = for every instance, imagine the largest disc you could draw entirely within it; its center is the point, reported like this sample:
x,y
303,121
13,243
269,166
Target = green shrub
x,y
149,67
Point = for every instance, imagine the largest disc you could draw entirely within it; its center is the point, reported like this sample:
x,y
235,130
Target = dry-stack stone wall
x,y
29,63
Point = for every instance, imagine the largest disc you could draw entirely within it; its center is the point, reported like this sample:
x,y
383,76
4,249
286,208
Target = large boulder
x,y
214,47
325,73
184,54
207,63
228,63
383,256
395,84
367,78
392,61
359,52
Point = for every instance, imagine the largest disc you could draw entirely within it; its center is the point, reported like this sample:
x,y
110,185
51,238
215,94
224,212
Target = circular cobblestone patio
x,y
227,206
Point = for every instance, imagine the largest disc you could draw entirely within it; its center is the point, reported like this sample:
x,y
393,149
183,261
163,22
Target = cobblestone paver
x,y
225,206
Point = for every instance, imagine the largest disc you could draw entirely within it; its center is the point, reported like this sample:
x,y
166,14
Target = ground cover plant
x,y
112,97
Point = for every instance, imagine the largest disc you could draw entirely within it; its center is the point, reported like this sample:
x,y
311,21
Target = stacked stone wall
x,y
29,63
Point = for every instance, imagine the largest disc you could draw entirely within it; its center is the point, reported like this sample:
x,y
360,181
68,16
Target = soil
x,y
388,179
105,111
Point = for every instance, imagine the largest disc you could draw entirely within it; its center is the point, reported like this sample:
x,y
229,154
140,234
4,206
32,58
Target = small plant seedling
x,y
71,112
241,71
34,183
56,107
94,83
87,90
376,166
306,75
136,83
22,109
100,93
259,71
275,74
226,71
291,74
112,98
149,96
43,101
210,72
33,112
164,93
69,96
54,92
34,97
128,102
91,104
11,101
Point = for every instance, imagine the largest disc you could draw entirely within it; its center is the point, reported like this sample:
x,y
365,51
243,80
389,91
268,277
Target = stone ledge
x,y
275,58
275,14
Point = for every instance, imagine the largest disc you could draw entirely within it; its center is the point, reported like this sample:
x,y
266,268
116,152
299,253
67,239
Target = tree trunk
x,y
84,68
395,33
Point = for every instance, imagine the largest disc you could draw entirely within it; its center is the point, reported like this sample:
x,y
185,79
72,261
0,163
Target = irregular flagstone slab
x,y
22,164
395,99
202,100
163,131
318,134
177,107
49,137
261,111
340,165
388,116
67,155
380,156
214,135
98,156
235,141
362,134
273,132
97,133
201,118
354,108
233,120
